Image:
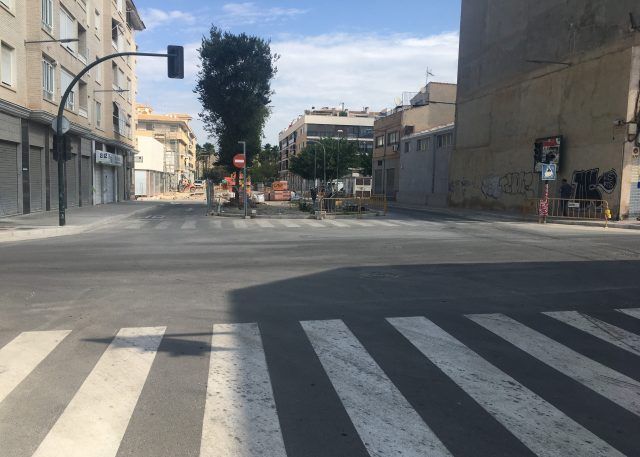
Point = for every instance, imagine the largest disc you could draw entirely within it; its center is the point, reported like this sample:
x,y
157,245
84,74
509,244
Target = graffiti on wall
x,y
590,184
514,183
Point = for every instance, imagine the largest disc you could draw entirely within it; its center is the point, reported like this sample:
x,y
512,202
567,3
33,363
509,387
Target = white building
x,y
149,166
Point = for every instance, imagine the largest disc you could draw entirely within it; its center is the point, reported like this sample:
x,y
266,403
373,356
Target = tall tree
x,y
234,88
205,157
265,164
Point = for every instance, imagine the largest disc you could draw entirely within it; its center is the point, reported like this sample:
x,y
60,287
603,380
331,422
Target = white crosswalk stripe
x,y
363,223
264,223
289,223
188,225
384,224
633,312
240,224
600,329
410,224
337,223
216,224
20,356
609,383
95,420
240,416
540,426
310,223
385,421
163,225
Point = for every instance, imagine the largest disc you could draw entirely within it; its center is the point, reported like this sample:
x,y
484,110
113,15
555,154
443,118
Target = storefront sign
x,y
108,158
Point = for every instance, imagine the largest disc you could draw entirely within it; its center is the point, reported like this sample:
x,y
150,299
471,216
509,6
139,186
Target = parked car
x,y
198,183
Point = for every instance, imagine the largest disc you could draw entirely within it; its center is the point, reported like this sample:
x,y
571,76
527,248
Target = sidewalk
x,y
79,220
499,216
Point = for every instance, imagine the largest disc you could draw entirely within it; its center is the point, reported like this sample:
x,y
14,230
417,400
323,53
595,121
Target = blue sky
x,y
362,53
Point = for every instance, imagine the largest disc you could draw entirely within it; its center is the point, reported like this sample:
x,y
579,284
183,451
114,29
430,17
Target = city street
x,y
172,333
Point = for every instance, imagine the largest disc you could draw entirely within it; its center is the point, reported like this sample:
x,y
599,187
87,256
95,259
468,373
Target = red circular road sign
x,y
238,161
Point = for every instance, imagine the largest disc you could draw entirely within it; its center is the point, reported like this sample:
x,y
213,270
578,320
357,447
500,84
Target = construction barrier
x,y
569,208
357,206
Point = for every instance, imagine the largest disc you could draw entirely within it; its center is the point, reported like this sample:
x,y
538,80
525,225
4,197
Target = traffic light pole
x,y
62,153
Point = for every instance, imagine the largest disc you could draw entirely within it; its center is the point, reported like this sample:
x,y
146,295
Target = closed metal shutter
x,y
72,181
108,187
97,183
86,180
53,180
8,178
35,178
634,203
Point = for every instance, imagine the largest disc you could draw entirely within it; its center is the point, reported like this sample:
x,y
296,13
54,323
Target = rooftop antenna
x,y
429,74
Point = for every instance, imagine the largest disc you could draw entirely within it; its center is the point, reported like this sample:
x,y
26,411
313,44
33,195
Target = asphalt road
x,y
177,334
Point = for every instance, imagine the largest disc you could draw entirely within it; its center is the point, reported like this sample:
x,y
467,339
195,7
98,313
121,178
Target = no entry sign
x,y
238,161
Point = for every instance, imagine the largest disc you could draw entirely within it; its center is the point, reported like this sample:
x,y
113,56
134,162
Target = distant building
x,y
433,106
564,75
316,124
150,179
174,132
424,167
33,77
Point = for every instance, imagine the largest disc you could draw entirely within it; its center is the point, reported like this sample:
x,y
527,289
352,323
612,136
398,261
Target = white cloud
x,y
154,18
249,13
324,70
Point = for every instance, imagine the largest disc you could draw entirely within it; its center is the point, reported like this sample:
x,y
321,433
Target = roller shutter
x,y
8,178
35,178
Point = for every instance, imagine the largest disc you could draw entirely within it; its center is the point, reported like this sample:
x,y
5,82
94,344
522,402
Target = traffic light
x,y
175,62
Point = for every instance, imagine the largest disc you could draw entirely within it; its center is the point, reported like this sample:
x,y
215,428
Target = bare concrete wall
x,y
505,103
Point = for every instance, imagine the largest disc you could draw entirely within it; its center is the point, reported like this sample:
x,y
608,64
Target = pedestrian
x,y
566,192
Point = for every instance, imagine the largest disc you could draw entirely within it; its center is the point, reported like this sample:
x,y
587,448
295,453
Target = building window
x,y
445,140
380,141
65,81
116,40
83,102
114,77
392,138
68,29
48,78
83,51
139,158
98,114
7,66
407,146
47,15
149,126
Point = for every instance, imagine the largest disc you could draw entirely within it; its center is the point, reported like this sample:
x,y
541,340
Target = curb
x,y
53,232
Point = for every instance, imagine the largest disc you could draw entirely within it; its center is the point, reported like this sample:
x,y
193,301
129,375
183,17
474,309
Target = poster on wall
x,y
548,151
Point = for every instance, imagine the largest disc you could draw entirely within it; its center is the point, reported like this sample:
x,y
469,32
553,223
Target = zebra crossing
x,y
192,224
241,412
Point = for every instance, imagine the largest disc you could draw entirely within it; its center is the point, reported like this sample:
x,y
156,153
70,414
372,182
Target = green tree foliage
x,y
265,164
234,88
351,159
217,173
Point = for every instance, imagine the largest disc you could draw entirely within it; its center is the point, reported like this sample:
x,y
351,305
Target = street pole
x,y
315,165
60,145
244,152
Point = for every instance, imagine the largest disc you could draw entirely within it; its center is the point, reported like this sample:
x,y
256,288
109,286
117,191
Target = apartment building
x,y
150,179
557,76
315,124
34,72
178,139
432,106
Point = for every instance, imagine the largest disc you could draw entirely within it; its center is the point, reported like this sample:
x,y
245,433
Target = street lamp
x,y
340,131
324,159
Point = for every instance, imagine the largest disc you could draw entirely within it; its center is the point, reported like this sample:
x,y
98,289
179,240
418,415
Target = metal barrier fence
x,y
354,205
569,208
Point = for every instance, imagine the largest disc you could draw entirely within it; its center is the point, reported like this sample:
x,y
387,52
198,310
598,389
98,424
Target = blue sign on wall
x,y
549,172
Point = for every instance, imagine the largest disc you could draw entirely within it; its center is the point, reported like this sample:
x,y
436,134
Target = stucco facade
x,y
531,70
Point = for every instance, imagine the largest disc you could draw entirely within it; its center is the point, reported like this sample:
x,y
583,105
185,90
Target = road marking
x,y
264,224
21,355
633,312
189,225
289,224
600,329
135,225
410,224
240,417
337,223
241,224
215,224
544,429
314,224
363,223
163,225
96,419
384,419
609,383
384,224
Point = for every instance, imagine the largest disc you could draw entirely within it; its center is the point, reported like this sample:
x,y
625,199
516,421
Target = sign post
x,y
548,173
240,161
